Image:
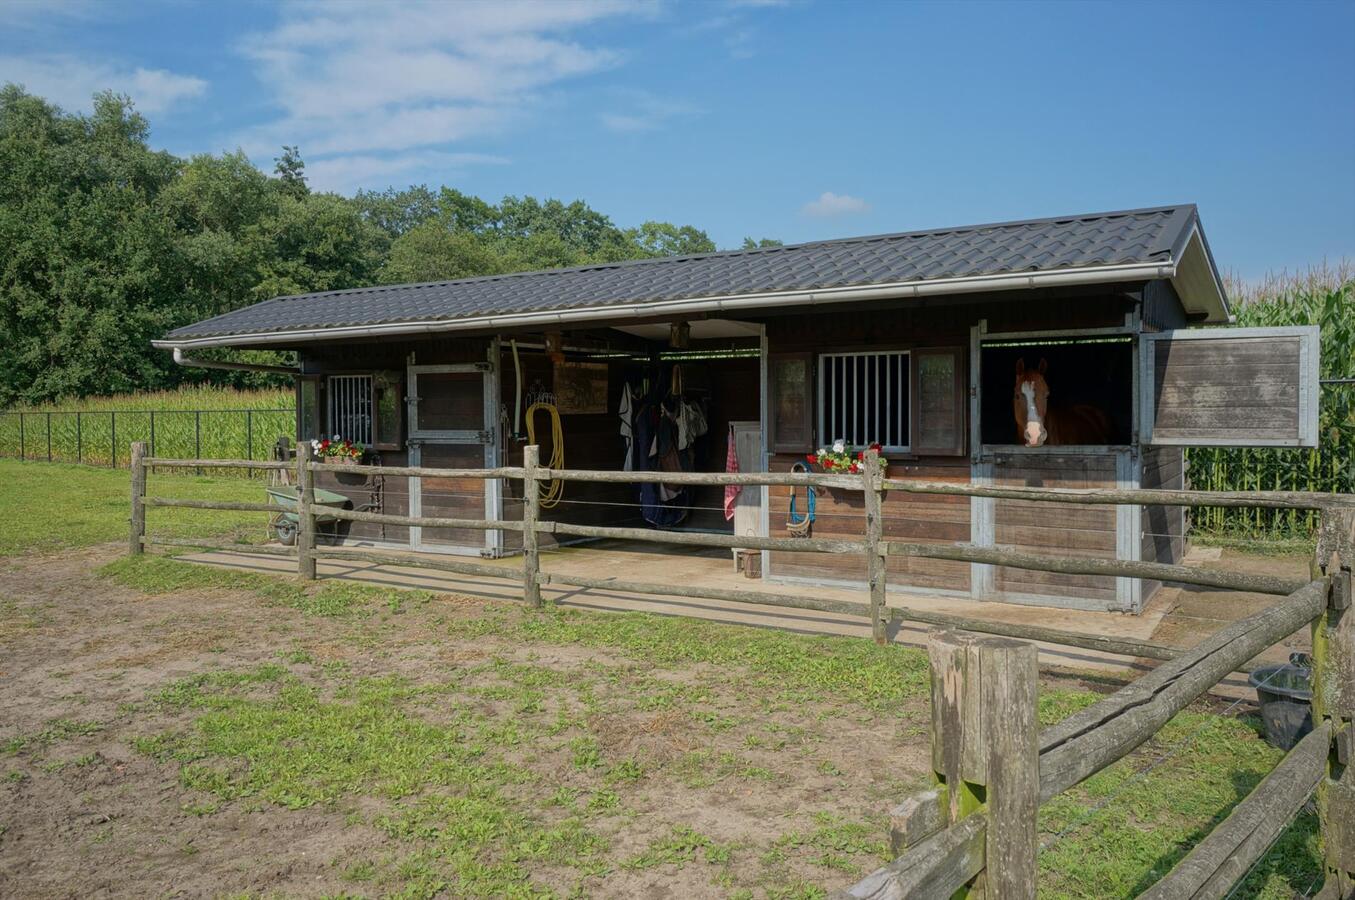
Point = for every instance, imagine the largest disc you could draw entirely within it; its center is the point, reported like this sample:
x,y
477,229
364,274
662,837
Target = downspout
x,y
189,361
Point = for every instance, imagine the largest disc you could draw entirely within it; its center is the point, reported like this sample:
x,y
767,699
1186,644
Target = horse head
x,y
1030,402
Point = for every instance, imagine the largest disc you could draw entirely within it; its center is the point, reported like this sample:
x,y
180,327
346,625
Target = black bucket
x,y
1285,694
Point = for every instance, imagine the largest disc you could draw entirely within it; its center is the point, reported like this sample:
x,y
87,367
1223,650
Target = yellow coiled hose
x,y
555,488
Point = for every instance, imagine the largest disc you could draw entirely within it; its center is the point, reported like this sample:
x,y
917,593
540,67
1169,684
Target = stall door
x,y
1230,387
450,428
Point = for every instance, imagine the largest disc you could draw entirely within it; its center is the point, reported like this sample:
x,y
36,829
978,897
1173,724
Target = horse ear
x,y
1044,365
1020,366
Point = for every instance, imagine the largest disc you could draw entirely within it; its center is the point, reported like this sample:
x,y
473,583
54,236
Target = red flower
x,y
861,454
810,457
876,447
853,469
324,445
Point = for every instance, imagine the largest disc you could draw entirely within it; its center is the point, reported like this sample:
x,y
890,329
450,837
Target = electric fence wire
x,y
1308,891
1169,754
1266,852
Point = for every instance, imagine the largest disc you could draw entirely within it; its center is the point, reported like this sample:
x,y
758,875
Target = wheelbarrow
x,y
285,521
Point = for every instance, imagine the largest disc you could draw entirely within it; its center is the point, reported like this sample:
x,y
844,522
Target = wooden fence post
x,y
531,511
138,520
305,499
985,750
873,491
1334,700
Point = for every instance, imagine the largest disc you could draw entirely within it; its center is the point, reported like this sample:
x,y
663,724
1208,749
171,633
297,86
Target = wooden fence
x,y
975,830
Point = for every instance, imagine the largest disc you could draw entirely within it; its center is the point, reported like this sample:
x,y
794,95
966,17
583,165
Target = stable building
x,y
1059,352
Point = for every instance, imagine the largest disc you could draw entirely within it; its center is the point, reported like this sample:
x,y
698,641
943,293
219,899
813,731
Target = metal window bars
x,y
350,407
864,398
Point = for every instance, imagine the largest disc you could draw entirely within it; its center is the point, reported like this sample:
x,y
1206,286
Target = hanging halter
x,y
801,527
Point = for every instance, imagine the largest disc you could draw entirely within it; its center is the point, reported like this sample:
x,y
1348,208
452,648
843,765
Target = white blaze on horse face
x,y
1035,430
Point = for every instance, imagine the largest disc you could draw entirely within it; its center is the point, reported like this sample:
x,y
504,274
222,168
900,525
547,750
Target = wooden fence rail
x,y
992,766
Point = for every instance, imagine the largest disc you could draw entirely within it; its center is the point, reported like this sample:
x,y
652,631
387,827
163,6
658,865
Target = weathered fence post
x,y
305,499
873,491
985,750
531,511
138,521
1334,700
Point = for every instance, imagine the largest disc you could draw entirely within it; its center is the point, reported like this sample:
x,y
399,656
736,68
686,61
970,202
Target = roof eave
x,y
720,304
1197,280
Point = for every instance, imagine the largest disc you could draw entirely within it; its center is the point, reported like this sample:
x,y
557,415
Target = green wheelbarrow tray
x,y
285,522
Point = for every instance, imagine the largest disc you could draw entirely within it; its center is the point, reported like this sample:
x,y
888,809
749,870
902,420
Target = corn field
x,y
1325,298
201,422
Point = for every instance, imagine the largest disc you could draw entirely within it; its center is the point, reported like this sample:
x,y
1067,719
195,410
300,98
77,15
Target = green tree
x,y
397,212
432,252
291,171
666,239
90,270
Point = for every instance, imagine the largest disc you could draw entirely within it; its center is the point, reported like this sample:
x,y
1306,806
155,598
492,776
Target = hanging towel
x,y
731,465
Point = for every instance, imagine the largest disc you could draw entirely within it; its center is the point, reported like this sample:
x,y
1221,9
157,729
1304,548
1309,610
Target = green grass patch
x,y
793,667
53,506
265,735
163,575
1126,827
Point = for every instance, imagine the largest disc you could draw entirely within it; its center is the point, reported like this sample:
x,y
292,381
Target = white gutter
x,y
729,303
228,366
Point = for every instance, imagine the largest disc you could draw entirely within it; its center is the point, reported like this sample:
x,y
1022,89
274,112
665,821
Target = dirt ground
x,y
781,796
185,731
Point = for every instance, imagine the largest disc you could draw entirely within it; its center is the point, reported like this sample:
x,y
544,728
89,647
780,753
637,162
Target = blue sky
x,y
794,119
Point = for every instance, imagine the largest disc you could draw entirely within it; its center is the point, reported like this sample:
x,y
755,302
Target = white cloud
x,y
38,13
346,174
70,81
828,204
368,78
641,111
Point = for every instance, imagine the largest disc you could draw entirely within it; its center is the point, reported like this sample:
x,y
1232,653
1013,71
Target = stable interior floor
x,y
1177,616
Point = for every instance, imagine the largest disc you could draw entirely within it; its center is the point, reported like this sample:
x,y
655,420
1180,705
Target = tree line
x,y
107,243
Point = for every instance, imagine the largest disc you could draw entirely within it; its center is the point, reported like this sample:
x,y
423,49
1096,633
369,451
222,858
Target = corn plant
x,y
1325,298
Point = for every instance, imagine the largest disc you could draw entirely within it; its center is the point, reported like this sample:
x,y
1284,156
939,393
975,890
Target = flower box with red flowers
x,y
338,449
841,459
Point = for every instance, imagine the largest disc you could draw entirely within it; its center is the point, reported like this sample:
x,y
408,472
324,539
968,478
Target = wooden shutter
x,y
1230,387
309,407
388,406
790,379
939,402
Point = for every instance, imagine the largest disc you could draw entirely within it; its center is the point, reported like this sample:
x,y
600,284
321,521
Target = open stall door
x,y
1230,387
450,428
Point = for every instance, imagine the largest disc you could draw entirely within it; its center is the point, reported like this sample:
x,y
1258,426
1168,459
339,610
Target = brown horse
x,y
1038,424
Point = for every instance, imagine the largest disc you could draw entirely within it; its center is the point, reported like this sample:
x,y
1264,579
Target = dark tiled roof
x,y
1036,245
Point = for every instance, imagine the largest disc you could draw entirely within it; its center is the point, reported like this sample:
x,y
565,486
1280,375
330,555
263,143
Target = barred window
x,y
864,398
350,407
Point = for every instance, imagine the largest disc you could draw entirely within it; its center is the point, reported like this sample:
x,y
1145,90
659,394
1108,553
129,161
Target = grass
x,y
162,575
466,762
1154,812
50,507
222,430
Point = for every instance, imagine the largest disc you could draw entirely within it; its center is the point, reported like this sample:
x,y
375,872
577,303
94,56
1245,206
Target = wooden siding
x,y
1087,531
1162,309
1227,389
1164,527
906,517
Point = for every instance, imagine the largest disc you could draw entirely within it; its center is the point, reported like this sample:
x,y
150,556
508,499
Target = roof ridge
x,y
743,251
